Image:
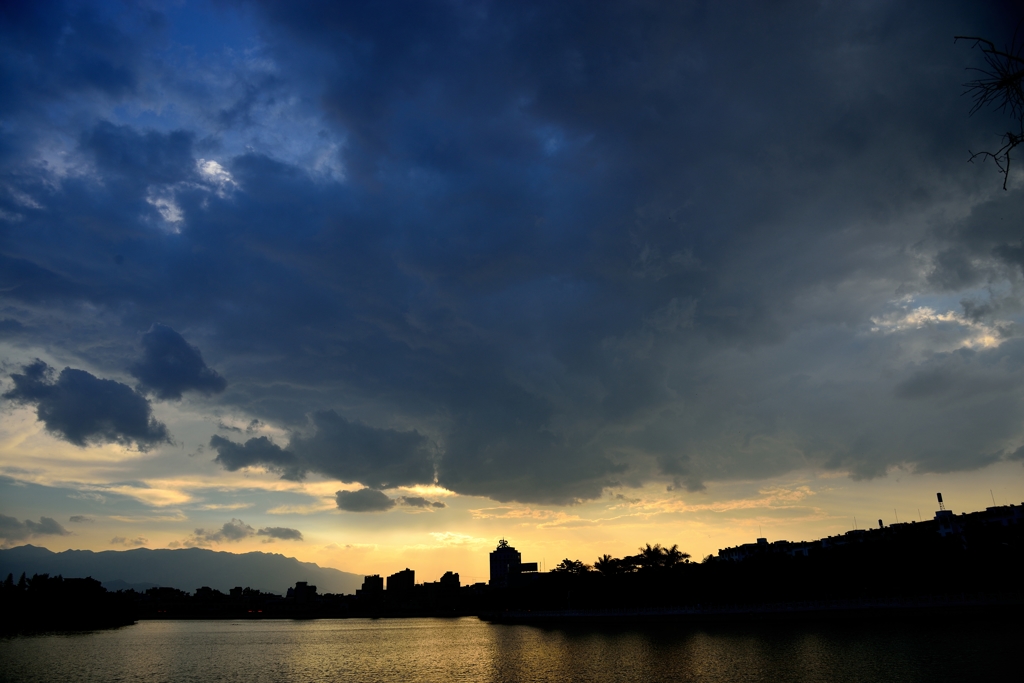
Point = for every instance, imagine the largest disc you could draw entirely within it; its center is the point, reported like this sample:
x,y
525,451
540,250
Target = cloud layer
x,y
170,366
529,251
83,409
236,530
363,500
13,530
347,451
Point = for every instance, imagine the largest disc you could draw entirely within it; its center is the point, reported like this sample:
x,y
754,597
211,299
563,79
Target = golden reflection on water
x,y
431,650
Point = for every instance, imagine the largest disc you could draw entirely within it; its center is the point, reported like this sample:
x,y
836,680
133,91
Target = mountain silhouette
x,y
185,569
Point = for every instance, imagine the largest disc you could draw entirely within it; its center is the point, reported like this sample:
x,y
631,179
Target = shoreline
x,y
819,610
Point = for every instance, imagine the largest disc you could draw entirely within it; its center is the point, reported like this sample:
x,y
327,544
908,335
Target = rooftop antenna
x,y
941,505
855,522
897,515
993,496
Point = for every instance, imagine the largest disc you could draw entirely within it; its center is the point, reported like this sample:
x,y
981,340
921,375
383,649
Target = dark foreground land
x,y
957,567
968,564
45,603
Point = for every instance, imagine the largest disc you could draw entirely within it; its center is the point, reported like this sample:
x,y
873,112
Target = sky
x,y
374,285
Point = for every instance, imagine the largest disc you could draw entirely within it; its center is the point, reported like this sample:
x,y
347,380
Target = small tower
x,y
504,560
945,519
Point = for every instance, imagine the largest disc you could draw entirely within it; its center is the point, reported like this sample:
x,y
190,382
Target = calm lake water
x,y
412,650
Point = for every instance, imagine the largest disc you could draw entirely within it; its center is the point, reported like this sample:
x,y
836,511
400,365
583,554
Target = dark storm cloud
x,y
351,451
26,281
964,374
13,530
420,502
142,157
363,500
258,451
280,533
170,366
83,409
53,50
9,327
348,451
529,250
625,79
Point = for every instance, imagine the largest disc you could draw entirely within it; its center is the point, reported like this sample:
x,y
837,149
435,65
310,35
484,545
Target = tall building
x,y
450,581
504,560
302,593
373,584
402,581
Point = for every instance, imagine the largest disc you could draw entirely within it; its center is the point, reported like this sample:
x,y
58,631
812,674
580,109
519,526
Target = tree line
x,y
650,558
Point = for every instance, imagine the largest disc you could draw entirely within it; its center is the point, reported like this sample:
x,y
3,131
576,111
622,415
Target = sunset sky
x,y
376,284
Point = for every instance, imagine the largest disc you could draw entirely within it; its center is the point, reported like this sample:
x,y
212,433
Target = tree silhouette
x,y
999,87
658,557
673,556
607,565
568,566
651,557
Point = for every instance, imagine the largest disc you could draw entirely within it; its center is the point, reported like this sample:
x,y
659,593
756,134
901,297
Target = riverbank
x,y
945,607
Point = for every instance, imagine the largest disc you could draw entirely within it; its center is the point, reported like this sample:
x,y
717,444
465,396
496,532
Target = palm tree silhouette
x,y
674,556
651,557
607,565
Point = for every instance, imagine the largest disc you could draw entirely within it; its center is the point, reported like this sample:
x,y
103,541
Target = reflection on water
x,y
470,650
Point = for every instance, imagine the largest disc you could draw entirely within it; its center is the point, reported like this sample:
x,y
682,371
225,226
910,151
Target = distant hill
x,y
185,569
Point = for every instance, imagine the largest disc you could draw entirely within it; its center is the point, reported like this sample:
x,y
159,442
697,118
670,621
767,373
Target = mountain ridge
x,y
182,568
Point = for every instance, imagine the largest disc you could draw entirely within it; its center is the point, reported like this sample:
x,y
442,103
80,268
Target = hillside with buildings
x,y
966,562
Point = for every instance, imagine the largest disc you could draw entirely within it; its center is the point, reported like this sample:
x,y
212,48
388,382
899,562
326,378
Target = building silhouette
x,y
945,524
372,585
402,582
505,560
303,593
450,581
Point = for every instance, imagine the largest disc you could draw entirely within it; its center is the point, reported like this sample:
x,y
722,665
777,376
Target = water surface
x,y
431,650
